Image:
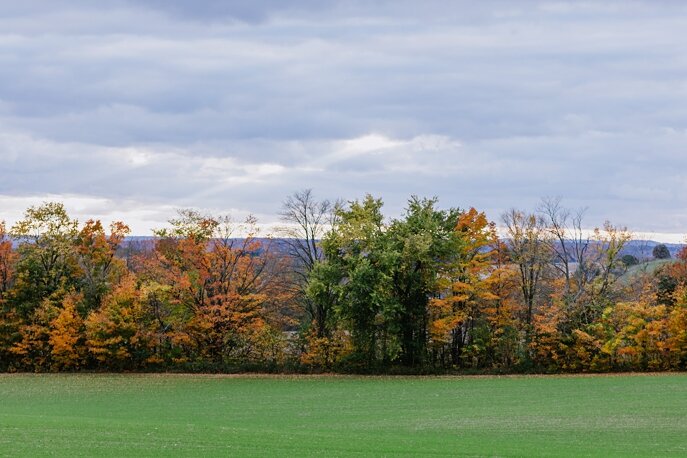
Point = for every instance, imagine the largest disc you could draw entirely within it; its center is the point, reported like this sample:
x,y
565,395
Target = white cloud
x,y
166,104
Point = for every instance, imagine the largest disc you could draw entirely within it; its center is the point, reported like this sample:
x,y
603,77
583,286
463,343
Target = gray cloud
x,y
232,105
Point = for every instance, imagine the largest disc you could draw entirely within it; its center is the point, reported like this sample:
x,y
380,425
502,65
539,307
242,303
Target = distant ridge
x,y
641,249
644,248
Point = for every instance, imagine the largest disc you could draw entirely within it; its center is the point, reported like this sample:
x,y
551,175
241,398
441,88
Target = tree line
x,y
340,287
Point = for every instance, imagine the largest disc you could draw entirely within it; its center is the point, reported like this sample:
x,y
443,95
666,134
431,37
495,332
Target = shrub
x,y
629,260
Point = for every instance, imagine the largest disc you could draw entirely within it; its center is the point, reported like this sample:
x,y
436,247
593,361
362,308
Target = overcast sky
x,y
131,109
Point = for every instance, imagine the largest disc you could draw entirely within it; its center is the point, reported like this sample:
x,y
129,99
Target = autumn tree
x,y
31,348
466,285
676,329
8,259
635,335
45,272
670,277
9,321
224,283
180,257
116,335
67,336
530,251
431,287
609,241
502,340
96,255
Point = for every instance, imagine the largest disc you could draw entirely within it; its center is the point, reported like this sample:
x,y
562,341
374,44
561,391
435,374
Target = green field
x,y
147,415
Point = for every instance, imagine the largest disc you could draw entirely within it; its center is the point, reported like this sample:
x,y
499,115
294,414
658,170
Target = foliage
x,y
433,290
355,250
661,251
68,349
47,262
629,260
466,284
115,333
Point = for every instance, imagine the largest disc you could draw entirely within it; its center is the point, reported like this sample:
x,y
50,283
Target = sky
x,y
130,110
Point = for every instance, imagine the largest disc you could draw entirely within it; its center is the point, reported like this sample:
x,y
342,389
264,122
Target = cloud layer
x,y
133,108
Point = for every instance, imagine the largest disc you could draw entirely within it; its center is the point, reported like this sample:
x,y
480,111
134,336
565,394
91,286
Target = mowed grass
x,y
187,415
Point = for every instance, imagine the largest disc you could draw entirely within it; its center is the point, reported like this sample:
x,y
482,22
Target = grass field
x,y
148,415
643,268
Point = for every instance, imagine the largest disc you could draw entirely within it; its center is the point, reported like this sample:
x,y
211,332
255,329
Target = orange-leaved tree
x,y
8,259
8,318
676,343
117,334
465,287
96,254
67,336
223,280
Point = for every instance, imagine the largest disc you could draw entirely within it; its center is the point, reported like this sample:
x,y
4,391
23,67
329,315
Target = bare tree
x,y
589,261
529,245
569,245
306,220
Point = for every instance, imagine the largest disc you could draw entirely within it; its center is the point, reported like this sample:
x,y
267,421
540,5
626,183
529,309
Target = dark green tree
x,y
628,260
421,241
357,257
661,252
47,264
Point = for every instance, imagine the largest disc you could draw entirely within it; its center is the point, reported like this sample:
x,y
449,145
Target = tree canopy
x,y
343,288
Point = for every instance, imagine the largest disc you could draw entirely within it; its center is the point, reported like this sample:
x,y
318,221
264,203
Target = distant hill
x,y
146,242
643,268
643,249
649,266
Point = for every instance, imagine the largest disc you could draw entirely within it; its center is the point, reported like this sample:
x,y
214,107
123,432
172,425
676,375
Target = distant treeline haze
x,y
340,288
